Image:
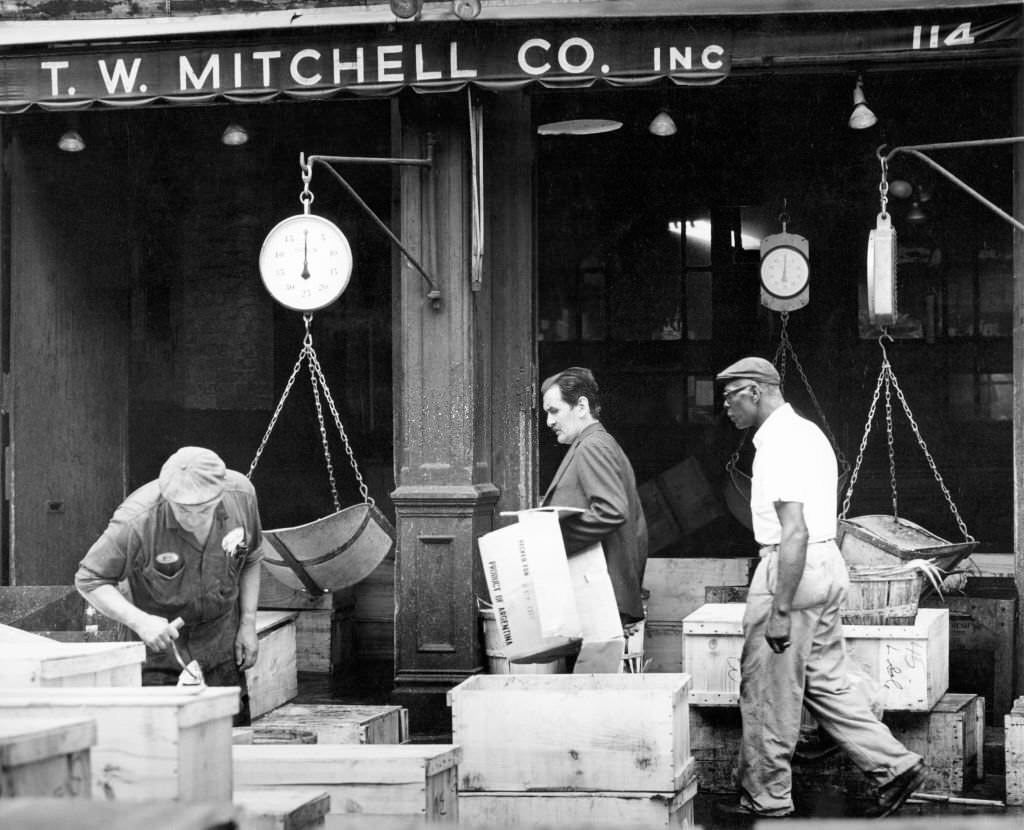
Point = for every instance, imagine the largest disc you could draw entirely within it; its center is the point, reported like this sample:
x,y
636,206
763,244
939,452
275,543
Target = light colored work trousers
x,y
812,672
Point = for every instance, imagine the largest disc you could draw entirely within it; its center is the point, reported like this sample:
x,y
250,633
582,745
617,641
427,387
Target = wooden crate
x,y
715,735
54,664
10,635
982,640
153,742
85,814
1013,745
677,586
949,738
611,810
336,723
274,680
663,646
597,732
282,809
415,780
46,757
911,662
312,622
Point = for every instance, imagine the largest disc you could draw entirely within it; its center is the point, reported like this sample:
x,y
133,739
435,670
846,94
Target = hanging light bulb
x,y
71,142
915,214
861,118
234,135
662,124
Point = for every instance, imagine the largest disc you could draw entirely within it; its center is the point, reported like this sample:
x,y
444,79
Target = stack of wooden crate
x,y
596,751
358,756
910,663
676,589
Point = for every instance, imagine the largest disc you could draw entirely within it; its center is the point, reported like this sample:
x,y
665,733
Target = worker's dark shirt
x,y
204,592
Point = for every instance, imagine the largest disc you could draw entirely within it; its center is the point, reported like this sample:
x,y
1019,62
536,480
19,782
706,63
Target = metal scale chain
x,y
319,383
785,348
887,378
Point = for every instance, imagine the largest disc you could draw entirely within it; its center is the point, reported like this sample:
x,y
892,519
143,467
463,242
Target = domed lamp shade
x,y
71,142
862,117
234,135
662,125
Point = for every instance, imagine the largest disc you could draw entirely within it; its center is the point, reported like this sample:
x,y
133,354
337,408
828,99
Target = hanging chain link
x,y
883,185
306,196
786,348
890,438
319,383
307,341
888,378
863,445
363,489
313,381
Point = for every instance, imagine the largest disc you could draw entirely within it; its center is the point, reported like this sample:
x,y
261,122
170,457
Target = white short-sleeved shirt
x,y
794,462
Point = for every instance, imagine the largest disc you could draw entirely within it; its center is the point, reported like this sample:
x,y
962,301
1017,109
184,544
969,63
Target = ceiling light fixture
x,y
71,142
579,126
234,135
662,124
861,118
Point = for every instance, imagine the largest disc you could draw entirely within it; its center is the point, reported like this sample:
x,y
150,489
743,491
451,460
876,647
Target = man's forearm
x,y
111,603
249,592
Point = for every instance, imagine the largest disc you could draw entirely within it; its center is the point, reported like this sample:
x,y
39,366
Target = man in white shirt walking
x,y
793,653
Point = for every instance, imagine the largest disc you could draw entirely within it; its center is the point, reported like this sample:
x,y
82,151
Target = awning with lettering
x,y
322,62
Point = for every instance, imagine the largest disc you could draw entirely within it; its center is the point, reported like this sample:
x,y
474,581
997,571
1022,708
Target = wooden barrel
x,y
497,663
881,598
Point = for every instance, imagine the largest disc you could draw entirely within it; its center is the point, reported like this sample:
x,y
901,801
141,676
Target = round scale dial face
x,y
784,271
305,262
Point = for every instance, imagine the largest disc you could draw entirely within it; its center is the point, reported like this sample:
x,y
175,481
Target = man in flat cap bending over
x,y
187,546
793,650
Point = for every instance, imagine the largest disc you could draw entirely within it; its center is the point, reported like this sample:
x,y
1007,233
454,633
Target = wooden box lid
x,y
27,740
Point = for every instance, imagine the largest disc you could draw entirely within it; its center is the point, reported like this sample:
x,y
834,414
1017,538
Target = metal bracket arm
x,y
916,151
307,162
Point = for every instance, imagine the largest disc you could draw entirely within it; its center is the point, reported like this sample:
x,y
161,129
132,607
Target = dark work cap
x,y
192,475
750,368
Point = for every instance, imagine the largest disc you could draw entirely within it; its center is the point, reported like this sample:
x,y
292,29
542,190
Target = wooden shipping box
x,y
337,723
46,757
84,814
982,640
1013,723
598,732
274,679
10,635
54,664
153,742
677,586
312,622
282,809
415,780
603,810
910,661
950,739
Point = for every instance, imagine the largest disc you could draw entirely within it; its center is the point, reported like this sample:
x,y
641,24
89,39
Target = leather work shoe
x,y
892,795
738,812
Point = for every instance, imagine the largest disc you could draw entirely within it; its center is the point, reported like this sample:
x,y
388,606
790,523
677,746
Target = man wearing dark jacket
x,y
596,477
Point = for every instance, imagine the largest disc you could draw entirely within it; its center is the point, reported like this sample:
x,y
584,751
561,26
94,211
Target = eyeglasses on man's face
x,y
729,394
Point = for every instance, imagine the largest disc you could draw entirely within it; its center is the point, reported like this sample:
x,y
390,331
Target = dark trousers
x,y
225,674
